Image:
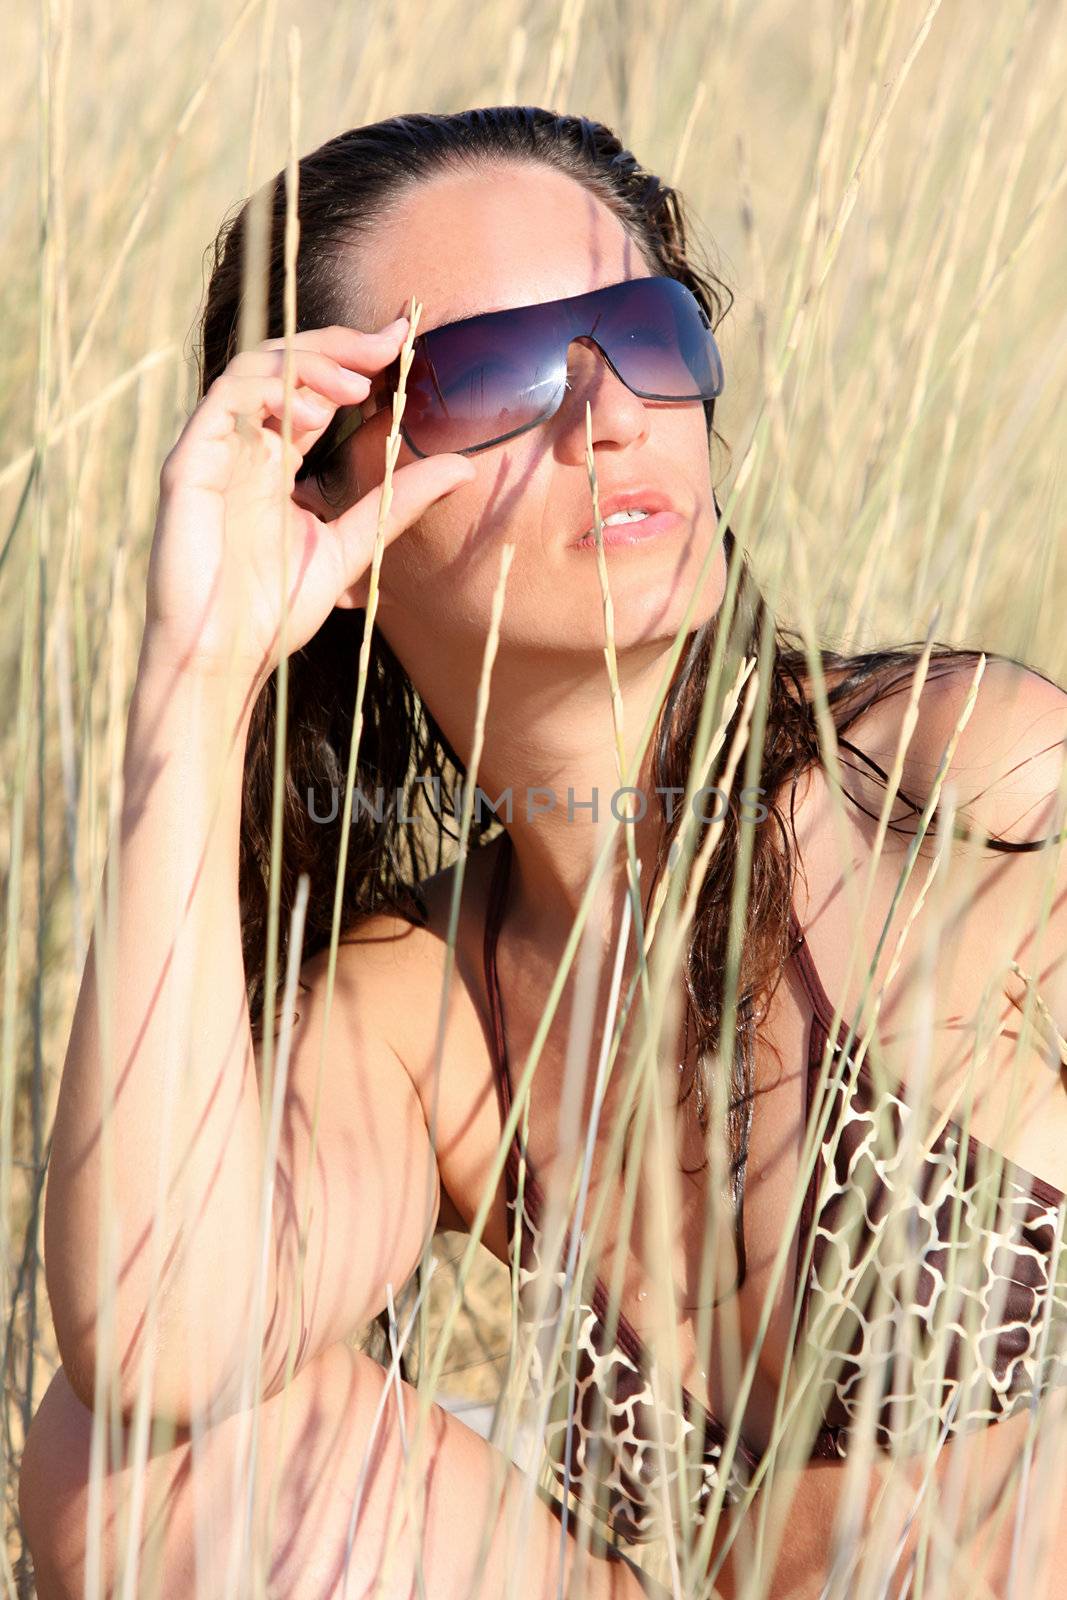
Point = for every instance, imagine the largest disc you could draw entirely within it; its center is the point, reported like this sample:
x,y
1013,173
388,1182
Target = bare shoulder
x,y
431,1011
399,964
1008,756
957,938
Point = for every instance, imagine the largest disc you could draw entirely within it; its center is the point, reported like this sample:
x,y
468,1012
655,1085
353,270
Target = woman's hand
x,y
214,593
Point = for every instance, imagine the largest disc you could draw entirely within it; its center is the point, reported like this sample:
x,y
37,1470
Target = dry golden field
x,y
883,185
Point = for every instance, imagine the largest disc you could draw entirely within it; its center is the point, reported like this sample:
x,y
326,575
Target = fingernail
x,y
391,327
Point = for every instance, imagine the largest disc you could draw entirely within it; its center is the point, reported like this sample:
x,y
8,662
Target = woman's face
x,y
485,241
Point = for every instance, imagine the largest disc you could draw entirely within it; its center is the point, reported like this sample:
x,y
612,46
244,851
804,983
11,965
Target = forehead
x,y
483,240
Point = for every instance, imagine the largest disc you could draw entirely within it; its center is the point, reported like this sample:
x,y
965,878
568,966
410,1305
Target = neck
x,y
550,744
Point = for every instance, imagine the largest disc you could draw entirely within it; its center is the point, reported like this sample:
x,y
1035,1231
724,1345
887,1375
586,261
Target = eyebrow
x,y
487,311
461,316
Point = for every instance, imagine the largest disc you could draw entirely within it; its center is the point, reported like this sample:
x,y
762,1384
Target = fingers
x,y
415,488
349,347
236,401
331,367
326,376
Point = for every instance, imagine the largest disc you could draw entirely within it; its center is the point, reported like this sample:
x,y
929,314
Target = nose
x,y
619,417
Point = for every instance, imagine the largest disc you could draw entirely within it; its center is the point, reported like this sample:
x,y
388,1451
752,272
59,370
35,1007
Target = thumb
x,y
416,487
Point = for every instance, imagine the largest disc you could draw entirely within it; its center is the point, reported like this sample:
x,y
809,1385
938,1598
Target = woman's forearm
x,y
161,1043
330,1516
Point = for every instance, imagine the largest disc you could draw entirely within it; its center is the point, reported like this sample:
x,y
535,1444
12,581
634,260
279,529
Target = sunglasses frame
x,y
374,403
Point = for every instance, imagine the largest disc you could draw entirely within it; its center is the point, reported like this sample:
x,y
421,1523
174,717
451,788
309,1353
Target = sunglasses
x,y
485,379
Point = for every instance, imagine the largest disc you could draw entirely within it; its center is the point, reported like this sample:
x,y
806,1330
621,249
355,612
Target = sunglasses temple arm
x,y
357,416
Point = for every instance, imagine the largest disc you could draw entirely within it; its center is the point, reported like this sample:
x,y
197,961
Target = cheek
x,y
505,503
449,550
685,437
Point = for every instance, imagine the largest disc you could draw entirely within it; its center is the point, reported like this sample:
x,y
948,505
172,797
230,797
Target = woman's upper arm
x,y
370,1191
1005,911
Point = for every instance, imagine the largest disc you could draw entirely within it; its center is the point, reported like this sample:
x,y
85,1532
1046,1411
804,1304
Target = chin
x,y
652,609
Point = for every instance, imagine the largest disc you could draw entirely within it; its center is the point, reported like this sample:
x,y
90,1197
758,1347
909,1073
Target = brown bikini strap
x,y
821,1003
498,891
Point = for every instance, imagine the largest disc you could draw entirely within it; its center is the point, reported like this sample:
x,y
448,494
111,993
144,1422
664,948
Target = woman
x,y
556,285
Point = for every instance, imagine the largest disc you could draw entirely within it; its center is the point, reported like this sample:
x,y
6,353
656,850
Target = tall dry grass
x,y
883,186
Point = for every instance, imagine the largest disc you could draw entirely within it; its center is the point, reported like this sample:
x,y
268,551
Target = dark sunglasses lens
x,y
476,382
659,342
479,381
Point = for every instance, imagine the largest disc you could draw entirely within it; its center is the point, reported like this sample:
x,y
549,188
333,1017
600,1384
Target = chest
x,y
617,1184
657,1233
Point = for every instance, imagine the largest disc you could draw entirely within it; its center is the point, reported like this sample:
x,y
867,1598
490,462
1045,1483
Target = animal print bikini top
x,y
868,1305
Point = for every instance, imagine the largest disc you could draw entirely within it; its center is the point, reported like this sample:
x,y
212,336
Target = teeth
x,y
636,515
621,516
624,516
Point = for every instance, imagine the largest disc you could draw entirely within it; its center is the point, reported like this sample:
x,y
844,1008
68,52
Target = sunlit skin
x,y
483,241
462,244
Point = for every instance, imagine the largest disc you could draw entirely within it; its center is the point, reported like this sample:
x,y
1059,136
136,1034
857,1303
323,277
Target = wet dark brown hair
x,y
344,188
